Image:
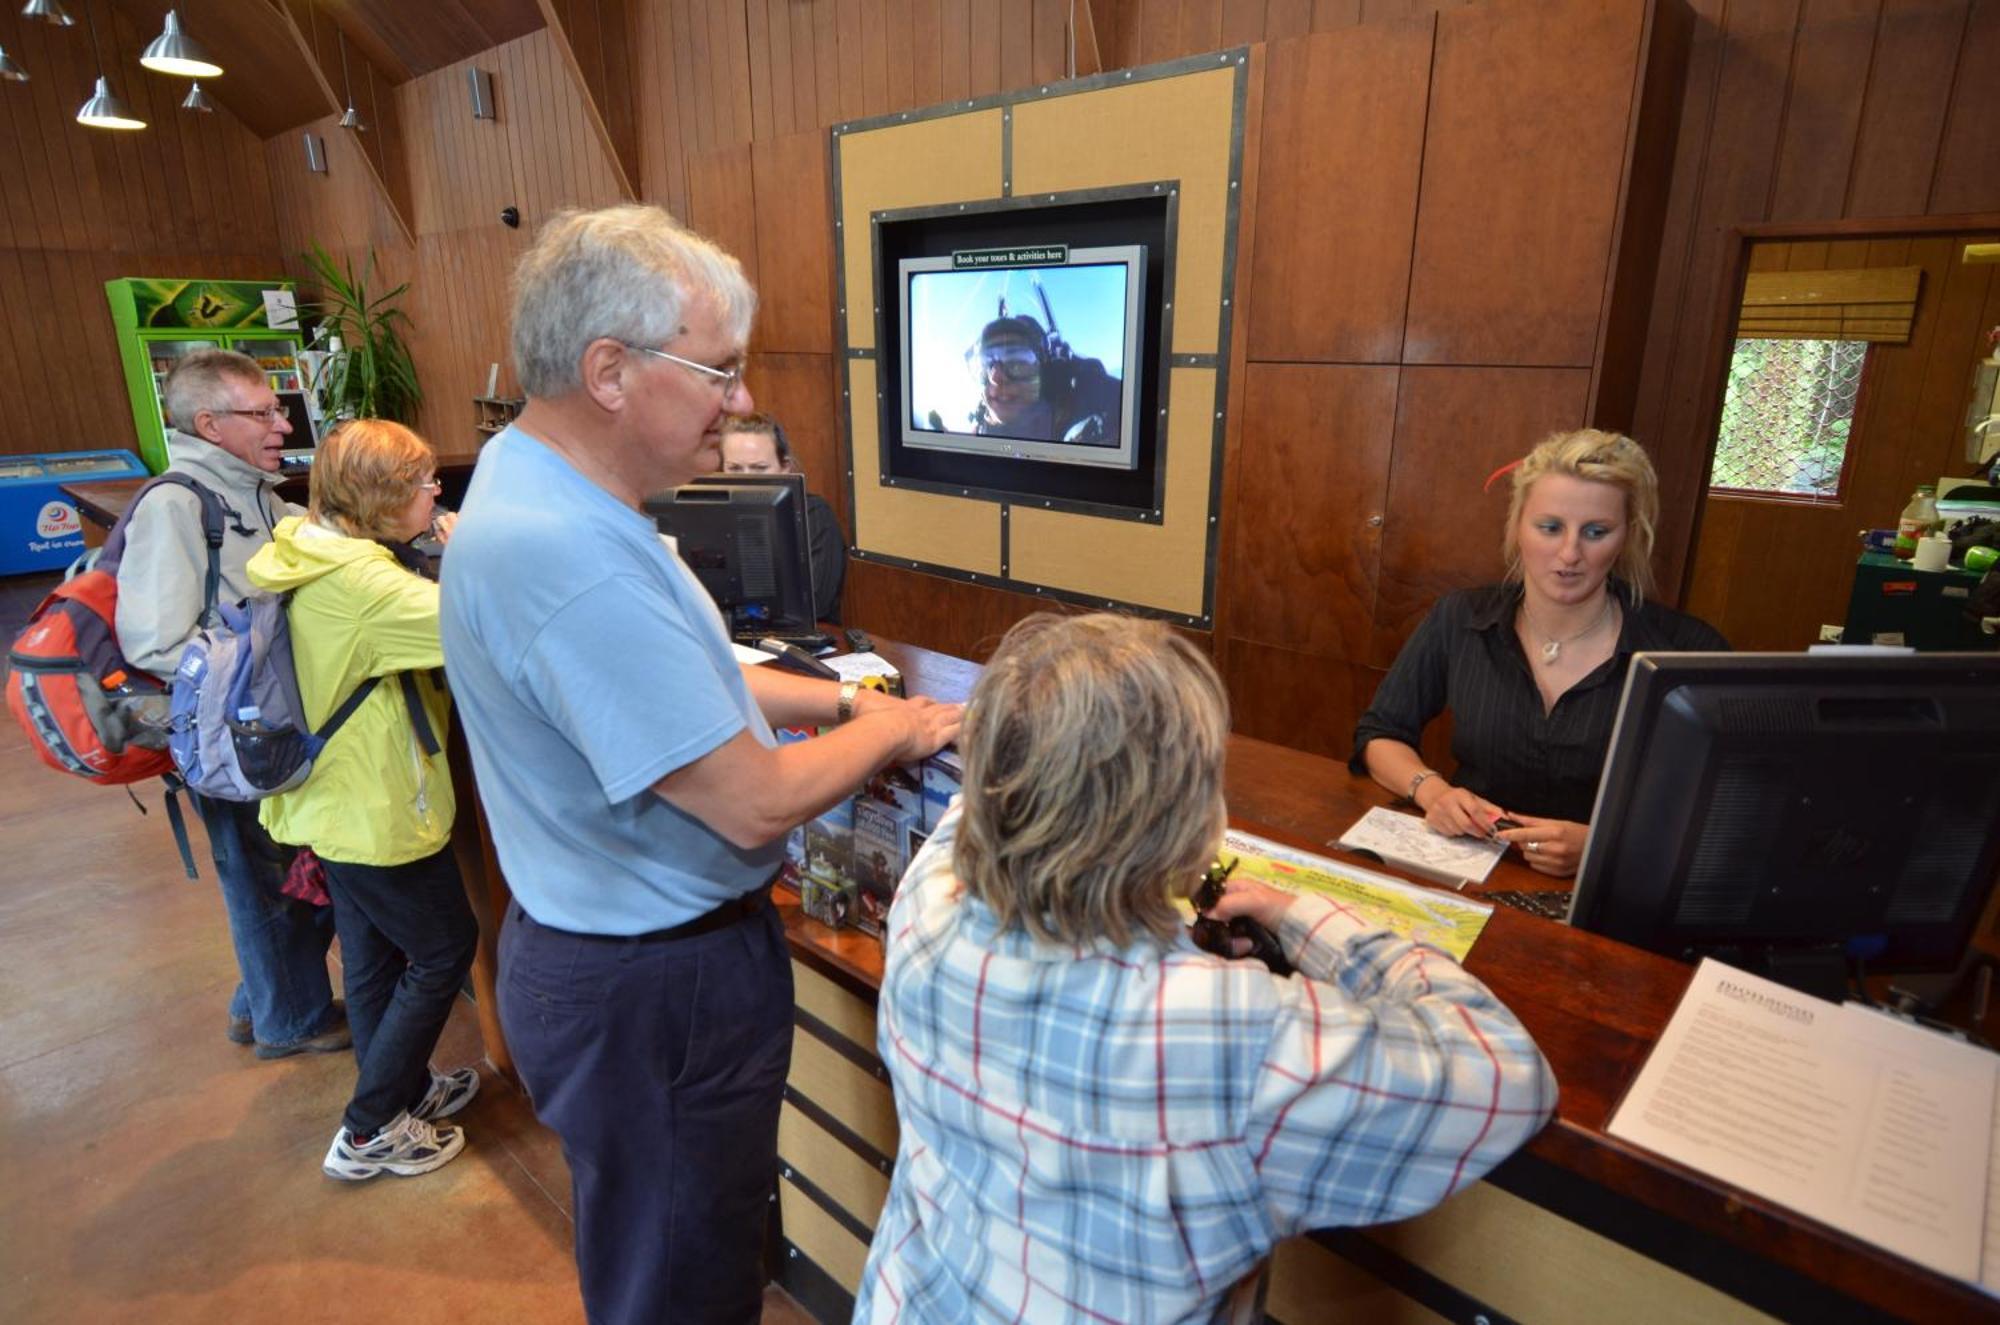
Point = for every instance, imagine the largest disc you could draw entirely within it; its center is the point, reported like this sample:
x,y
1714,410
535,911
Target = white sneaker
x,y
449,1092
405,1147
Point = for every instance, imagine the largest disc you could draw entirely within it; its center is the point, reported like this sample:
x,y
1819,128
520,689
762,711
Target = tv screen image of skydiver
x,y
1035,362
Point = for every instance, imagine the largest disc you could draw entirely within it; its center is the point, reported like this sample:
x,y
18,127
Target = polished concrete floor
x,y
152,1171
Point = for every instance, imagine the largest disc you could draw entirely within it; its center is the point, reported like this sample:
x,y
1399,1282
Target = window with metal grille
x,y
1787,417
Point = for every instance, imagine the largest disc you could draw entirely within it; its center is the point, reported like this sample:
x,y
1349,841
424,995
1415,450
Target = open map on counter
x,y
1437,918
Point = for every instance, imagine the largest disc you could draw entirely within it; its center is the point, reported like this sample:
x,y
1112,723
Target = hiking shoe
x,y
326,1042
449,1092
239,1031
405,1147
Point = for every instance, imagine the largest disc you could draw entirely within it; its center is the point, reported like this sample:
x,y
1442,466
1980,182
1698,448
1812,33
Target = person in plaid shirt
x,y
1099,1121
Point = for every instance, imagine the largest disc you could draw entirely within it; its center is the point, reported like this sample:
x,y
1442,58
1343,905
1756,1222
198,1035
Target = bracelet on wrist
x,y
843,708
1423,775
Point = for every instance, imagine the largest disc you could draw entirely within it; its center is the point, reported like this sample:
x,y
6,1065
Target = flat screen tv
x,y
1030,353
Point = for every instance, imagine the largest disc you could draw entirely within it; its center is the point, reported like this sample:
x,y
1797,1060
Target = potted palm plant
x,y
370,373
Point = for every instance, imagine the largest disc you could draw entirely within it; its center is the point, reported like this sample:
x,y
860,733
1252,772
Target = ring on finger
x,y
1532,846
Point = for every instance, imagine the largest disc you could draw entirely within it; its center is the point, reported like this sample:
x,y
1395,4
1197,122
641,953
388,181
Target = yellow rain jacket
x,y
374,797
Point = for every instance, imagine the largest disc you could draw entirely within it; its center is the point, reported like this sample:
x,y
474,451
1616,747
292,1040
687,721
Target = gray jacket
x,y
165,567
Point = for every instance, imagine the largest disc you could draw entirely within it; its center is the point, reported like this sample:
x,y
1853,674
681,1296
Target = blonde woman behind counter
x,y
1532,669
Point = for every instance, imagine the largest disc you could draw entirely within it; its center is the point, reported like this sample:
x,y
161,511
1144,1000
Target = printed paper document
x,y
1406,840
1877,1127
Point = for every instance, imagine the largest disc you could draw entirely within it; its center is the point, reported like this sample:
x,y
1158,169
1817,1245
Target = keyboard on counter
x,y
810,643
1549,904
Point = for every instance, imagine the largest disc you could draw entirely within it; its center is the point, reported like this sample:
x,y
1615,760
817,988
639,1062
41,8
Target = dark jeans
x,y
280,943
407,936
661,1066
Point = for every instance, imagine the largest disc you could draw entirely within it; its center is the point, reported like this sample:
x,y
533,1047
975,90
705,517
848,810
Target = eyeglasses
x,y
730,377
431,485
268,415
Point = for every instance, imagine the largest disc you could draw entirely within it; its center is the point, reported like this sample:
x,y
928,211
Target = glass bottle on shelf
x,y
1920,517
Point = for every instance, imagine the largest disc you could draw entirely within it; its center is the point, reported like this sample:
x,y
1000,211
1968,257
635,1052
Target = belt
x,y
723,916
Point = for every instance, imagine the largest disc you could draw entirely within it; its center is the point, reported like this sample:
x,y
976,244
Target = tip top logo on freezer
x,y
57,519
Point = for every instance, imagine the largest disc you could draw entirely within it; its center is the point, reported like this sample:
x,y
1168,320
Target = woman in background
x,y
377,809
1532,669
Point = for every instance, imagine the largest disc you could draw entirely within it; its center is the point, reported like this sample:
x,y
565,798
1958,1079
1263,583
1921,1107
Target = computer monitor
x,y
1796,813
744,536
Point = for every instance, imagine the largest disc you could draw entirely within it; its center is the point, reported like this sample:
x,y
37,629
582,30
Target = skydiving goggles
x,y
1013,363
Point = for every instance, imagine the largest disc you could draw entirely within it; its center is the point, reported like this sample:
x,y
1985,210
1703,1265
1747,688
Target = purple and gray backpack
x,y
237,727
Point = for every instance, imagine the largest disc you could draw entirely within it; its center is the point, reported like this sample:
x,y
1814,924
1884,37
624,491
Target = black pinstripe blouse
x,y
1465,657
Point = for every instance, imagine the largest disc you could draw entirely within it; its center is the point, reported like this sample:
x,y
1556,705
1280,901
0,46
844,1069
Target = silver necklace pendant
x,y
1551,651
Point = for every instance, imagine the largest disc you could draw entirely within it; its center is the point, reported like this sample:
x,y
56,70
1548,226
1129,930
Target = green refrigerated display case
x,y
159,320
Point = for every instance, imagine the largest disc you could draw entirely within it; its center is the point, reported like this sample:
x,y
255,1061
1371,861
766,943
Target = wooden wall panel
x,y
189,196
1902,117
1514,232
1303,700
1306,553
1363,94
794,215
1455,426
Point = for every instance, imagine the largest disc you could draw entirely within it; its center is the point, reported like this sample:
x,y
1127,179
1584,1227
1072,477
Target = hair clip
x,y
1509,467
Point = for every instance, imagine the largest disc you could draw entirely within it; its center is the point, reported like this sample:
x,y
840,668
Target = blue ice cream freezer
x,y
39,527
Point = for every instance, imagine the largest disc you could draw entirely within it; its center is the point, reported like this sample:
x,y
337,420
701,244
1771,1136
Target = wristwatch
x,y
844,708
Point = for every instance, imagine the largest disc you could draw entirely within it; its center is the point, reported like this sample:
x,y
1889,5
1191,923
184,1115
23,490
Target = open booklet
x,y
1425,914
1406,840
1877,1127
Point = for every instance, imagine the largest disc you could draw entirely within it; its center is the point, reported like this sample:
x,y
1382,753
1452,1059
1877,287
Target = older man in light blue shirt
x,y
637,799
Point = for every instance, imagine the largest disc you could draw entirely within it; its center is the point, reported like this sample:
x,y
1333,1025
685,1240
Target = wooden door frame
x,y
1722,333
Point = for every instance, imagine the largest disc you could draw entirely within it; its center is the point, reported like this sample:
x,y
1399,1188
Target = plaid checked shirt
x,y
1123,1134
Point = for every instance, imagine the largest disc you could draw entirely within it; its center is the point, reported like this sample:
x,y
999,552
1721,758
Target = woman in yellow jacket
x,y
377,809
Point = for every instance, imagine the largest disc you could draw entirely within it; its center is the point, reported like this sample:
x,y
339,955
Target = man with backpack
x,y
228,433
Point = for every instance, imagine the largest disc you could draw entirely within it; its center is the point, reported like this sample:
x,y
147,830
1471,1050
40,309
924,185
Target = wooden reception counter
x,y
1577,1227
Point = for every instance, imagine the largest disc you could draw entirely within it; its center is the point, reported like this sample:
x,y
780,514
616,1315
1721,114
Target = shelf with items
x,y
493,413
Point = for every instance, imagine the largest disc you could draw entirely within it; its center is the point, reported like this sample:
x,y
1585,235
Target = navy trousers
x,y
407,937
661,1066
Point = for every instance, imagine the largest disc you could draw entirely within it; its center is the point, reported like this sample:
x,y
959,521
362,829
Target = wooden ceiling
x,y
265,47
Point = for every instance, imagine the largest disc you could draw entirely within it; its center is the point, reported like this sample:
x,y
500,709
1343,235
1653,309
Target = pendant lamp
x,y
105,109
49,11
174,52
9,70
349,118
198,100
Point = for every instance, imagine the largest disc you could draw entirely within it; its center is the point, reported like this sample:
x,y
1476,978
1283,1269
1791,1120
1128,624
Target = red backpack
x,y
85,709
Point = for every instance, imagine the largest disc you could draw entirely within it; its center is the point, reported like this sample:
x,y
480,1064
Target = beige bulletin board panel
x,y
1168,128
1175,124
1160,566
924,163
914,526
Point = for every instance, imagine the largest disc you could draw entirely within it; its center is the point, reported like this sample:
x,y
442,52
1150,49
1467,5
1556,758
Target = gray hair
x,y
623,273
196,383
1093,751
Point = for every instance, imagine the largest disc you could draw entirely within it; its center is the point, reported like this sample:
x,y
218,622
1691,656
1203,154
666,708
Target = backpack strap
x,y
411,701
214,517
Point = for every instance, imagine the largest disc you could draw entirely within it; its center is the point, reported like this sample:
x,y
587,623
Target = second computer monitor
x,y
1790,810
744,536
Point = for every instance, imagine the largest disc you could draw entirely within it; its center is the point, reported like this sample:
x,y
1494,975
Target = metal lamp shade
x,y
105,110
49,11
198,100
10,71
174,52
351,119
